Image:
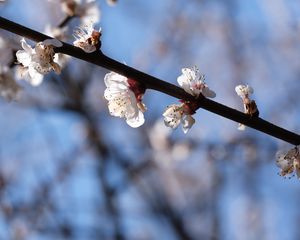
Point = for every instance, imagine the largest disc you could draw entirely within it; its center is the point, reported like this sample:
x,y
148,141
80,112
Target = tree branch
x,y
98,58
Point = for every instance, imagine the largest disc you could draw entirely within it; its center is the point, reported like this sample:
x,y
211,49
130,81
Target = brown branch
x,y
98,58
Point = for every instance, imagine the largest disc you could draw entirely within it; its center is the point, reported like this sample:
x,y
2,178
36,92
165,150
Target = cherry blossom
x,y
193,82
87,38
250,108
244,91
37,61
125,99
175,114
289,162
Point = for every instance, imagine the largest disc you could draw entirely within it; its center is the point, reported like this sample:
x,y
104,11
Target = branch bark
x,y
99,59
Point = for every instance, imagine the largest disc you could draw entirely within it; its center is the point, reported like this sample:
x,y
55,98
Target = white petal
x,y
117,107
187,122
172,115
52,42
184,82
23,57
136,121
113,78
26,46
35,77
243,90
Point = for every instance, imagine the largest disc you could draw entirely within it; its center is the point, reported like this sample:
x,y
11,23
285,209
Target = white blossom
x,y
37,61
87,38
244,91
250,108
193,82
289,162
122,101
175,114
9,89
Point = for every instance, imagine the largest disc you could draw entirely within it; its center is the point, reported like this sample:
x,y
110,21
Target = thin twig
x,y
98,58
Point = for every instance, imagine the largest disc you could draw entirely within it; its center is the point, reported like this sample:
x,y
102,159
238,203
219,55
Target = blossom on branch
x,y
178,113
289,162
125,98
9,89
87,38
37,61
250,108
193,82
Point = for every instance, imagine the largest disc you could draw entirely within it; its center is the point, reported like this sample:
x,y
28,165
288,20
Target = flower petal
x,y
23,57
136,121
52,42
36,78
187,122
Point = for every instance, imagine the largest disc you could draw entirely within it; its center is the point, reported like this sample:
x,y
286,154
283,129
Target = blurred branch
x,y
98,58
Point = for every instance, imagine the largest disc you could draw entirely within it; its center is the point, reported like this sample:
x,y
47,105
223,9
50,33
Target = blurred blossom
x,y
37,61
158,136
19,229
87,10
124,101
289,161
193,82
181,151
111,2
87,38
9,89
56,32
6,52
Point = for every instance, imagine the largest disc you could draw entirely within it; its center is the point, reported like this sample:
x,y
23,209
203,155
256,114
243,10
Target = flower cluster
x,y
250,108
125,98
289,162
193,82
87,38
38,61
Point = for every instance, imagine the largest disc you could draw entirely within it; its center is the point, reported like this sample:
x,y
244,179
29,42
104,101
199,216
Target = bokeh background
x,y
68,170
